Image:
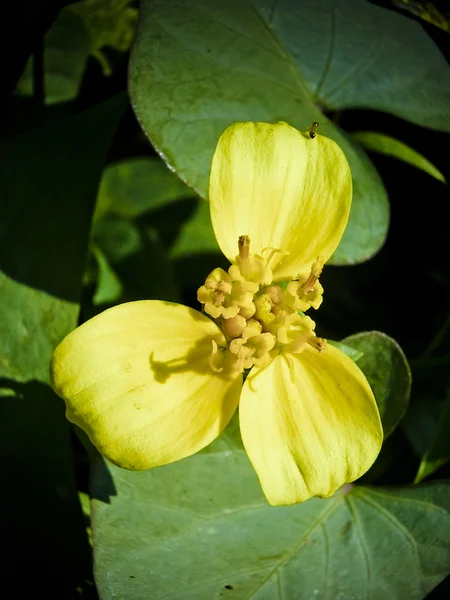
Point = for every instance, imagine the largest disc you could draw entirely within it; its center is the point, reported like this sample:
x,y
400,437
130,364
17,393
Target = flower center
x,y
259,318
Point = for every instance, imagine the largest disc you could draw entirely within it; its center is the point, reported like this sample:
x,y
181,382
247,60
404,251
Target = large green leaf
x,y
198,66
388,373
47,189
354,54
200,529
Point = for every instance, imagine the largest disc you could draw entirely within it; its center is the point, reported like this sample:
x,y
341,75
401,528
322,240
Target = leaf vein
x,y
355,516
323,515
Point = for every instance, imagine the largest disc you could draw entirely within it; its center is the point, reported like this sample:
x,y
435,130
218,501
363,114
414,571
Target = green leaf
x,y
133,187
378,142
354,54
129,202
438,452
200,529
109,288
118,237
47,188
354,354
196,68
66,49
388,372
197,234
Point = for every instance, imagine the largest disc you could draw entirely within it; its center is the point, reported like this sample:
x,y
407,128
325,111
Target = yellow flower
x,y
152,382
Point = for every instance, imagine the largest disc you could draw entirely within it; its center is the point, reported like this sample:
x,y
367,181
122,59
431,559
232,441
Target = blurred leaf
x,y
388,372
148,273
354,354
117,237
66,49
109,23
428,11
438,452
197,234
108,288
196,68
133,187
47,189
200,529
136,221
378,142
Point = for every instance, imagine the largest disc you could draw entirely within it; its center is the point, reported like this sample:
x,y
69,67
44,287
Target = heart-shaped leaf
x,y
201,529
197,67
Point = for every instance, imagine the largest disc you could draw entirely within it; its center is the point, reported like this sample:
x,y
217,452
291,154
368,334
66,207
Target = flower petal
x,y
309,424
136,378
282,189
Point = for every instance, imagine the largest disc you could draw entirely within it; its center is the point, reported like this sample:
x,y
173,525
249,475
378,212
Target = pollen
x,y
259,318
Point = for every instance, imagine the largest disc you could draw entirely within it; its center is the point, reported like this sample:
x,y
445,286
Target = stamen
x,y
273,251
317,343
258,318
250,269
316,270
244,246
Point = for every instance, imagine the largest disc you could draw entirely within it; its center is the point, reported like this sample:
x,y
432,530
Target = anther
x,y
316,270
244,246
317,343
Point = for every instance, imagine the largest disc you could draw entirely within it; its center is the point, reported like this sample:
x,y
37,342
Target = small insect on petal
x,y
313,130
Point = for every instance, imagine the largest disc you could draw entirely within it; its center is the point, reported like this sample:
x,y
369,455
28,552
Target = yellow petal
x,y
309,424
282,189
136,378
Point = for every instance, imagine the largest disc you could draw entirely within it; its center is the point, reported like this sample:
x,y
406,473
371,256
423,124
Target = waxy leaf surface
x,y
200,529
198,67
